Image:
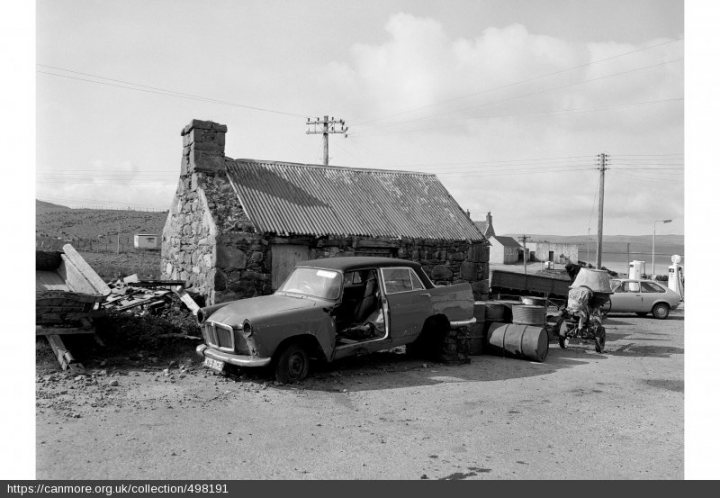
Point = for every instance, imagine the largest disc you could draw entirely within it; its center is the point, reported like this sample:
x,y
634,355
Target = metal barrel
x,y
524,314
479,311
476,340
495,312
525,341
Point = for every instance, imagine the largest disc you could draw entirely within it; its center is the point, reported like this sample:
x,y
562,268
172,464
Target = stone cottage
x,y
236,227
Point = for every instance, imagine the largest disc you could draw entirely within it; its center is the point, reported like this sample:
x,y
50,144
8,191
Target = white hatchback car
x,y
642,297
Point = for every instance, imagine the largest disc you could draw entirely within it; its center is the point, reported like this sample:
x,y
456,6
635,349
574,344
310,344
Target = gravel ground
x,y
578,415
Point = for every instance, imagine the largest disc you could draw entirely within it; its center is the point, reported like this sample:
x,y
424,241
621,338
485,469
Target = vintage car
x,y
333,308
642,297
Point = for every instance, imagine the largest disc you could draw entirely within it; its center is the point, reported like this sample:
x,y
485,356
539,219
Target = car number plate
x,y
213,364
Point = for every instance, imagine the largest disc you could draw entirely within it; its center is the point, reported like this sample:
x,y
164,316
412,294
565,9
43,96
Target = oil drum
x,y
524,314
524,341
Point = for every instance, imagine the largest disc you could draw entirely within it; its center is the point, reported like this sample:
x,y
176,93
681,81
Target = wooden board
x,y
62,354
50,281
86,270
185,298
40,330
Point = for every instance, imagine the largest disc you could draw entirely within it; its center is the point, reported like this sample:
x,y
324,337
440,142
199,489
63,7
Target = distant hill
x,y
42,206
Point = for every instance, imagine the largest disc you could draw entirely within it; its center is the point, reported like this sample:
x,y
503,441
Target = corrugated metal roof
x,y
305,199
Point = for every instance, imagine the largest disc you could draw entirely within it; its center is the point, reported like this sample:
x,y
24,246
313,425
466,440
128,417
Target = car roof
x,y
347,263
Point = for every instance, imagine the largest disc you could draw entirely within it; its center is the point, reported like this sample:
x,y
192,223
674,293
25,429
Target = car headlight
x,y
247,329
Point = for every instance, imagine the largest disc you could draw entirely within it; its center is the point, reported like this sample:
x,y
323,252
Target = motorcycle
x,y
586,307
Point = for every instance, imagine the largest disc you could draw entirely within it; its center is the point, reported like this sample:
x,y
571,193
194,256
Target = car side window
x,y
652,287
398,280
631,287
616,286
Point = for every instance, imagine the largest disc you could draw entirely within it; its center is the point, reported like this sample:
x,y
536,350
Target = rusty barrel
x,y
525,341
477,330
524,314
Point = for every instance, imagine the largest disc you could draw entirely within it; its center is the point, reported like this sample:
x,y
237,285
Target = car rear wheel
x,y
661,311
292,364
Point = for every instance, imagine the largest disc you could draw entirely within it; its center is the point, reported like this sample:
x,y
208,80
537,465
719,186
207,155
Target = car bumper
x,y
239,360
462,323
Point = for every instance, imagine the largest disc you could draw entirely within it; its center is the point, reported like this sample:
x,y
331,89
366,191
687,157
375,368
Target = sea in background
x,y
618,249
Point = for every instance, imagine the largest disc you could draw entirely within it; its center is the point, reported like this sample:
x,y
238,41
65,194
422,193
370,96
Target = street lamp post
x,y
653,243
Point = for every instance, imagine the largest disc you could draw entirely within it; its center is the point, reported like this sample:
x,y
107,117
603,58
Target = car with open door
x,y
642,297
333,308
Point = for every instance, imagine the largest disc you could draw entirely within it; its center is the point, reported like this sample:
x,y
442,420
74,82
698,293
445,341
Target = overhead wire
x,y
156,90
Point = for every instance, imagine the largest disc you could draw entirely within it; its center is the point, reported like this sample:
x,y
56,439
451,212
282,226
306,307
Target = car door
x,y
627,297
651,293
408,303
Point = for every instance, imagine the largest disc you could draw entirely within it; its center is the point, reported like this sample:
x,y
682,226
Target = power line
x,y
139,87
542,76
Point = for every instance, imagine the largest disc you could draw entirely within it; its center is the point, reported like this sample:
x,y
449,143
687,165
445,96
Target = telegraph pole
x,y
601,196
328,127
524,238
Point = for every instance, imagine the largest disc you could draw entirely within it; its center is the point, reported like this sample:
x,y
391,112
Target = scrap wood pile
x,y
147,296
72,299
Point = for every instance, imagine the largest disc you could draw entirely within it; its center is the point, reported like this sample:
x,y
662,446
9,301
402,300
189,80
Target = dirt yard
x,y
579,415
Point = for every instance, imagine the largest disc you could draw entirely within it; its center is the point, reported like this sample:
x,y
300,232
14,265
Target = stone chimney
x,y
488,218
203,147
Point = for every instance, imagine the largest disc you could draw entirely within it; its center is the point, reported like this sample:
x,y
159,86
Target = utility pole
x,y
601,199
328,127
524,238
628,257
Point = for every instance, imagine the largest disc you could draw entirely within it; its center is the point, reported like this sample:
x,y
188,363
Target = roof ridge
x,y
340,168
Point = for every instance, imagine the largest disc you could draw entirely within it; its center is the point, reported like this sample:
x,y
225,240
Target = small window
x,y
401,280
652,287
631,286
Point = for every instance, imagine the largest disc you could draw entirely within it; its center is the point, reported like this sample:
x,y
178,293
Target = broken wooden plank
x,y
86,270
48,331
135,303
64,357
185,298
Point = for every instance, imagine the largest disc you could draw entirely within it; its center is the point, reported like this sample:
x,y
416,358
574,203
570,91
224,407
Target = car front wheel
x,y
292,364
661,311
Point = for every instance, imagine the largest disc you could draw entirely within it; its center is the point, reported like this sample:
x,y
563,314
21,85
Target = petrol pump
x,y
675,276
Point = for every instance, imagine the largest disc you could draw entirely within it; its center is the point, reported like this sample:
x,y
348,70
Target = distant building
x,y
556,252
504,250
486,227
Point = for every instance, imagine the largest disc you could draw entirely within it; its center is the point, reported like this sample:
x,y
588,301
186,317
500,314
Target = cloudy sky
x,y
509,102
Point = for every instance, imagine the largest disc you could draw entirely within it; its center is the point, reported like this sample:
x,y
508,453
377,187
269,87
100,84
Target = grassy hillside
x,y
94,226
94,233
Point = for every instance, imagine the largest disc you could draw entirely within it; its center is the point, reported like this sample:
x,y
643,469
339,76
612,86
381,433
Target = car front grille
x,y
219,335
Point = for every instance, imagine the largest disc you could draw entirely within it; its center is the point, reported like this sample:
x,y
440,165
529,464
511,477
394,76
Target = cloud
x,y
422,96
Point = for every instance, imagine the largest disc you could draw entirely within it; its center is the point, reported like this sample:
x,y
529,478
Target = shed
x,y
504,250
236,227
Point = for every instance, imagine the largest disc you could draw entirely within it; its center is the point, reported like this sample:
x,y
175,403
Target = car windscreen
x,y
313,282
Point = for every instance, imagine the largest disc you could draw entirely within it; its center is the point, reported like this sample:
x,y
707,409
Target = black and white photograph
x,y
378,240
